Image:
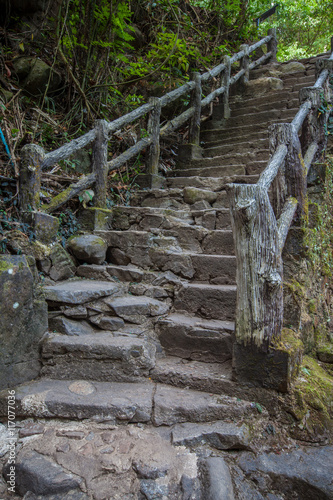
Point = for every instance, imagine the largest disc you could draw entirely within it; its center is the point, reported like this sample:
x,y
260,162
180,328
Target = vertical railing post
x,y
272,44
153,156
195,101
244,64
226,85
259,310
313,129
291,179
32,157
99,163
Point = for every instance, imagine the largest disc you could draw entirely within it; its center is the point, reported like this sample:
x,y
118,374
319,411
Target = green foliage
x,y
304,27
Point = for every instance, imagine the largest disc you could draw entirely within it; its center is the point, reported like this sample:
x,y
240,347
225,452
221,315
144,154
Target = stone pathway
x,y
136,400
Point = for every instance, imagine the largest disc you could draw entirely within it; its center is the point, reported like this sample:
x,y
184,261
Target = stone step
x,y
137,245
121,402
207,301
116,272
203,168
79,291
249,108
229,157
265,117
190,337
197,375
102,357
218,138
214,269
217,171
214,183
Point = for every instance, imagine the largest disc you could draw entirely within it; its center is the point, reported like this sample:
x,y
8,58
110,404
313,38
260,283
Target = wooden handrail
x,y
151,141
260,230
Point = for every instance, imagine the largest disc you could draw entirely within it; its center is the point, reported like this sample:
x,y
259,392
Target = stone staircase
x,y
148,337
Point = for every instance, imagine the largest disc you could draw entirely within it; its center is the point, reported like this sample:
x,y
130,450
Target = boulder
x,y
88,248
36,76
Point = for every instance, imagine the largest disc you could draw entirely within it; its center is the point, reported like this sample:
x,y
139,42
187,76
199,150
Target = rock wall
x,y
23,322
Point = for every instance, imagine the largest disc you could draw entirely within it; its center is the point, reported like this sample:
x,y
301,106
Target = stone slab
x,y
79,291
134,308
77,399
100,357
173,406
208,301
41,475
307,473
219,435
217,479
190,338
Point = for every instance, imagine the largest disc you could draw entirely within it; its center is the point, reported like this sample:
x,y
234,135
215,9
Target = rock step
x,y
137,245
249,108
214,183
154,220
121,402
220,170
241,130
102,357
80,291
197,375
259,135
267,117
191,337
236,158
213,269
207,301
122,273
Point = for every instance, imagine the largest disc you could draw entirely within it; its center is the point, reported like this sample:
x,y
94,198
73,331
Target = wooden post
x,y
226,85
30,176
154,132
195,101
313,129
272,44
244,64
259,266
99,162
290,180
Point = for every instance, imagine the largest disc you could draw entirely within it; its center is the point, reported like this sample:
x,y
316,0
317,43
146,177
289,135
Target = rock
x,y
41,77
201,205
23,322
292,67
305,472
117,256
325,353
107,322
79,292
263,85
62,266
45,226
93,272
217,480
88,248
193,195
38,474
69,326
79,312
31,429
135,309
220,435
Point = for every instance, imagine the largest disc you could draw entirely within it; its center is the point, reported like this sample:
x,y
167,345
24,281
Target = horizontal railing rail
x,y
34,158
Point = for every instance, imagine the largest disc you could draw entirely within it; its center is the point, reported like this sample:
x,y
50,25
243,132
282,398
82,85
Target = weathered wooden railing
x,y
34,158
260,231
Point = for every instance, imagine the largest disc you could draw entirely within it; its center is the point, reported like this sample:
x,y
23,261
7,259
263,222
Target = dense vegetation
x,y
111,55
